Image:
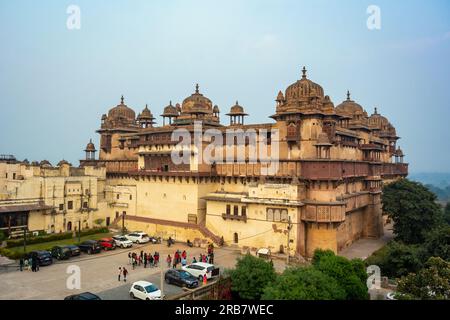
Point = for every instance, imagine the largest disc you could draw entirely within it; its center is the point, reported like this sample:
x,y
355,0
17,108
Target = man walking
x,y
125,273
120,273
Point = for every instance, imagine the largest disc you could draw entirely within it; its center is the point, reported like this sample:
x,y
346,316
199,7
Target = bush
x,y
397,259
54,237
2,236
350,275
251,276
11,254
304,284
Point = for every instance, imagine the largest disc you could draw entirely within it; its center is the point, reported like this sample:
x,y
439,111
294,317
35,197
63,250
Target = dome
x,y
303,89
236,110
377,121
399,152
170,111
90,147
349,107
280,97
122,111
45,163
146,114
63,162
196,103
216,109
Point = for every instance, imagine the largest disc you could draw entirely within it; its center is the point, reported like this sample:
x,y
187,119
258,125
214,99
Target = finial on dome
x,y
304,72
237,102
376,110
170,102
348,95
196,88
121,99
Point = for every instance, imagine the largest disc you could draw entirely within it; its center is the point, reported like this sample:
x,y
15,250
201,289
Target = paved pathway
x,y
98,274
363,248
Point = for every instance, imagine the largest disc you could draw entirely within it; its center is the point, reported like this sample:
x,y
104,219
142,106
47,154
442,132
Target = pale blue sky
x,y
55,84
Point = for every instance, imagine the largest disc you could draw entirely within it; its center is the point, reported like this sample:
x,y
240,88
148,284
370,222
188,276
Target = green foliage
x,y
412,208
350,275
2,236
304,283
14,255
53,237
447,213
397,259
251,276
99,221
437,243
430,283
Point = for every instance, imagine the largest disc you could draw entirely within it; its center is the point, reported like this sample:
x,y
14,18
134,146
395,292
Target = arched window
x,y
284,215
269,214
236,237
276,215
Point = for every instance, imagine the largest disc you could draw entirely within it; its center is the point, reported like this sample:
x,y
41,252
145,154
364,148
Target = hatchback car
x,y
61,252
44,258
181,278
74,250
90,246
145,291
122,242
83,296
138,237
200,269
107,243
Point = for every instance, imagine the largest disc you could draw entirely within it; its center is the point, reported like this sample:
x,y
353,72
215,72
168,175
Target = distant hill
x,y
438,183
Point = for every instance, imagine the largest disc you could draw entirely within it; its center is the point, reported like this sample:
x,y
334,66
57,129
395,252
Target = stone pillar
x,y
373,218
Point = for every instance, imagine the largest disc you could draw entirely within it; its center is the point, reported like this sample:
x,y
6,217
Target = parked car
x,y
199,269
44,258
181,278
83,296
74,250
90,246
138,237
61,252
145,291
122,241
107,243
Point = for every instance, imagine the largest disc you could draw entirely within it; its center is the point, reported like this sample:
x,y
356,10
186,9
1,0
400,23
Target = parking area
x,y
98,274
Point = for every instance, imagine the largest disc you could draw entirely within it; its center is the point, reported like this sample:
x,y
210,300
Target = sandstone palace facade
x,y
324,193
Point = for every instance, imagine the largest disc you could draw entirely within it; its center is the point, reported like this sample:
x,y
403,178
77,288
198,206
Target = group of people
x,y
123,272
30,263
182,258
143,258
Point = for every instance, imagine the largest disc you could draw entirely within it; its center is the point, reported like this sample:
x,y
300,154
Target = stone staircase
x,y
203,230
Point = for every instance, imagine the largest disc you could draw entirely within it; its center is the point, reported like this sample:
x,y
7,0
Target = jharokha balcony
x,y
234,217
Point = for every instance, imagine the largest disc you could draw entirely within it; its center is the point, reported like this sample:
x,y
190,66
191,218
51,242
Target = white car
x,y
122,242
144,290
138,237
199,269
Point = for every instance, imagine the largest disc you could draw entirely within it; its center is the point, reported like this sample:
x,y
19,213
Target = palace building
x,y
324,193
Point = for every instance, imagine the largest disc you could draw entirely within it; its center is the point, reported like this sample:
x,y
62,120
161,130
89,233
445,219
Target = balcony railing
x,y
234,217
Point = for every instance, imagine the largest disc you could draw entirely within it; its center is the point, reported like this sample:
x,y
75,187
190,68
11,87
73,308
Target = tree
x,y
350,275
430,283
397,259
447,213
413,209
250,276
437,243
304,283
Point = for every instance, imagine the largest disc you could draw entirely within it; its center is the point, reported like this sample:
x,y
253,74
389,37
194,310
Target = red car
x,y
107,243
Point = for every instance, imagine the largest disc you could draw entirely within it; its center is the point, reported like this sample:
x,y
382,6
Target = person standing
x,y
119,274
211,258
184,254
125,273
145,260
156,257
183,262
169,261
130,259
194,260
142,255
205,279
21,264
151,261
30,264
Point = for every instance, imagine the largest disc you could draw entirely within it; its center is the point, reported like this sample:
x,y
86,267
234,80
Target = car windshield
x,y
210,269
121,238
144,235
185,274
151,288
